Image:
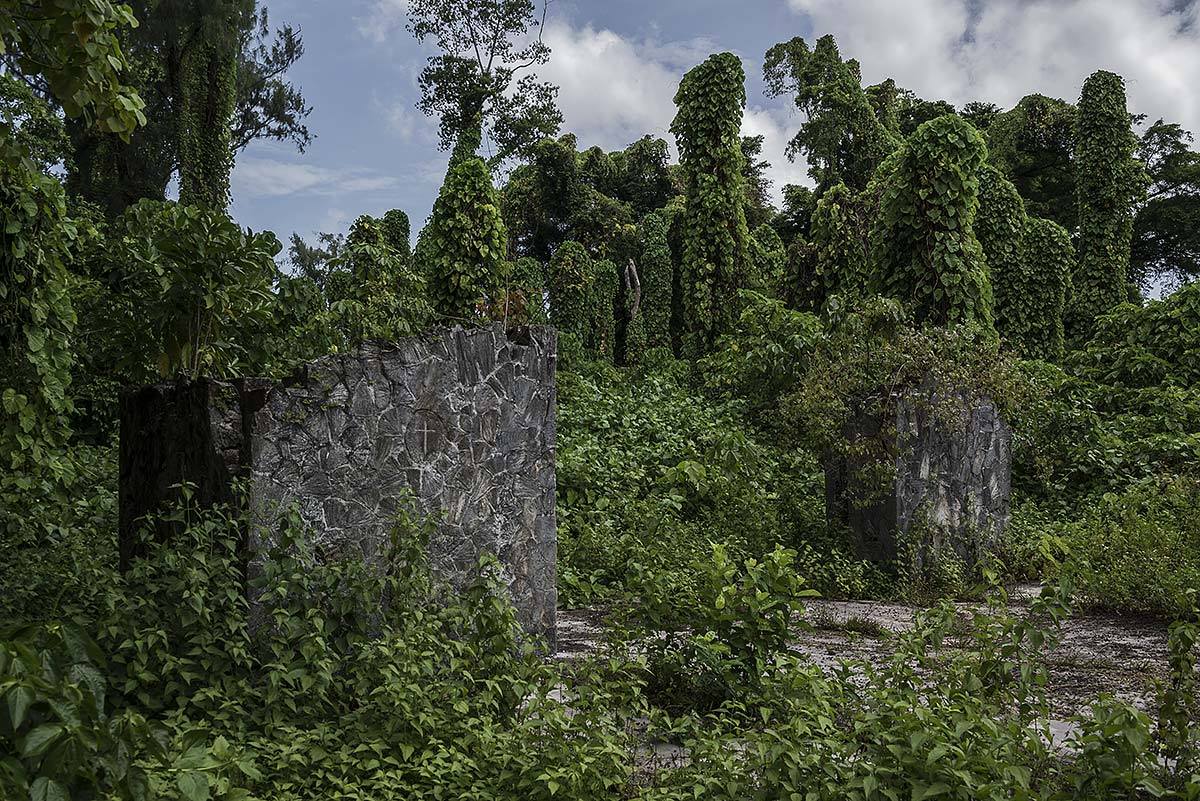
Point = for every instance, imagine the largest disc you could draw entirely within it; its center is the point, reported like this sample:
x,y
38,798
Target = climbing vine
x,y
36,319
927,253
467,241
1000,227
716,250
1109,180
1036,296
768,259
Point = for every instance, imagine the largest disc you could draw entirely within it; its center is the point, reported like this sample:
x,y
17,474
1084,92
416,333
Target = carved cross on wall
x,y
424,430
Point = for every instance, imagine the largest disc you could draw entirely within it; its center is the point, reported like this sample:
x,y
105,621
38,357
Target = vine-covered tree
x,y
716,249
466,241
602,324
207,96
472,85
802,288
840,248
928,256
841,137
1000,227
572,276
396,230
186,91
1036,297
72,49
1110,181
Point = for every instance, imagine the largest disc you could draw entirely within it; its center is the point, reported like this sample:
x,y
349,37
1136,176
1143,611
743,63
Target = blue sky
x,y
617,63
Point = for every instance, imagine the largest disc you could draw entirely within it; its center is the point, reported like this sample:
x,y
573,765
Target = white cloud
x,y
383,19
1001,50
777,126
613,90
263,177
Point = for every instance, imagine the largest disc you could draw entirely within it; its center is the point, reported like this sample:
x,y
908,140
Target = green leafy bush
x,y
715,651
190,291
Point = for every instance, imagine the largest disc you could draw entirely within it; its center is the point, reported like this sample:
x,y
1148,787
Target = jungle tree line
x,y
1031,223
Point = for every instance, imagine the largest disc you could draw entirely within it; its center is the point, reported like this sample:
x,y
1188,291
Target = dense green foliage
x,y
716,251
841,138
1033,144
707,377
841,266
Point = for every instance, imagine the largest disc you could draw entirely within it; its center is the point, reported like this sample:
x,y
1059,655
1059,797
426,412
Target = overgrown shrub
x,y
651,473
1139,551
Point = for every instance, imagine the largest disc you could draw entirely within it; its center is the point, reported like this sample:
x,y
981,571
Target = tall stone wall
x,y
464,420
950,459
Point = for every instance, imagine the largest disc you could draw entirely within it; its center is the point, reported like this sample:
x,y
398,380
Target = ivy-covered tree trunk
x,y
716,249
1109,180
572,277
208,91
1000,228
655,274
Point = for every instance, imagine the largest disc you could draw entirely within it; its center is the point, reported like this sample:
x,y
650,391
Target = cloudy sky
x,y
618,62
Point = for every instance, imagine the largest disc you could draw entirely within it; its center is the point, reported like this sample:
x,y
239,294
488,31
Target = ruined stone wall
x,y
952,459
464,420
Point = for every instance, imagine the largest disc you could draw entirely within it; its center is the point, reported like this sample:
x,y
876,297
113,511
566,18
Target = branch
x,y
635,284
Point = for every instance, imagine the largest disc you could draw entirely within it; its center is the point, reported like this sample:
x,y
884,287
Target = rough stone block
x,y
462,419
949,494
